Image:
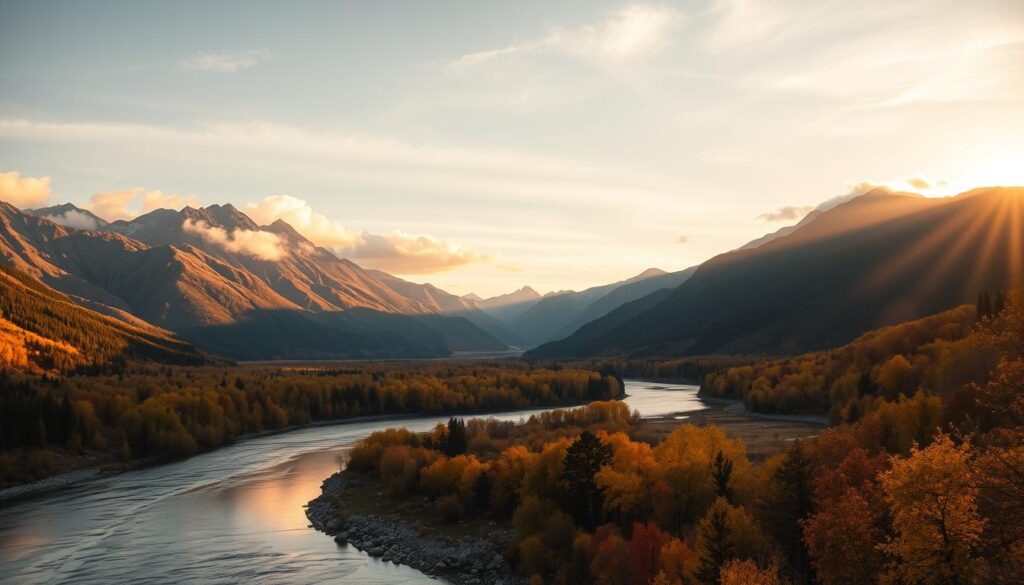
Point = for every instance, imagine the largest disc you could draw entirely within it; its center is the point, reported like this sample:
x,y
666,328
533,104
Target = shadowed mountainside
x,y
877,260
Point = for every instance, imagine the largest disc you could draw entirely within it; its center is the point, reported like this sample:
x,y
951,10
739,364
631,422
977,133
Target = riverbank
x,y
97,465
348,509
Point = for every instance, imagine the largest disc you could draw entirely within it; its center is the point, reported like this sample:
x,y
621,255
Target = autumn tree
x,y
609,555
935,516
645,552
746,572
844,537
673,563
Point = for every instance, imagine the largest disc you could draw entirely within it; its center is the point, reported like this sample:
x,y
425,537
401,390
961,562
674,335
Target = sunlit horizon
x,y
485,148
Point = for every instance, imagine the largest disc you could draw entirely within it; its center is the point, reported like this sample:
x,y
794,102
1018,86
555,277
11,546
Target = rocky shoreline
x,y
464,561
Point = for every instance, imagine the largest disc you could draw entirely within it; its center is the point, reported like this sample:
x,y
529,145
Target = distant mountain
x,y
877,260
558,315
537,319
42,330
68,215
511,306
212,274
444,302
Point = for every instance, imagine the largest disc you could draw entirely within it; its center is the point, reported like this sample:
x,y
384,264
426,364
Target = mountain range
x,y
879,259
537,319
214,277
218,279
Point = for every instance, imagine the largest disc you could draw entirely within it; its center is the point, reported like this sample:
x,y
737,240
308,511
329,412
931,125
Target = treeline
x,y
41,330
688,369
942,354
151,411
925,490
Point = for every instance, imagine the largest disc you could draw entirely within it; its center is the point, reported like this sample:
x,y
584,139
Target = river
x,y
232,515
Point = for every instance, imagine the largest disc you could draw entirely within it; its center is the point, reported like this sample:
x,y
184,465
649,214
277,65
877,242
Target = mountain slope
x,y
446,303
557,315
42,330
874,261
193,272
509,307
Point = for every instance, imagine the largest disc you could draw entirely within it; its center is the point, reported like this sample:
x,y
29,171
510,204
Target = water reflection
x,y
232,515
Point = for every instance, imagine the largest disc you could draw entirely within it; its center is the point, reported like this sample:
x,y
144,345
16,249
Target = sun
x,y
1003,169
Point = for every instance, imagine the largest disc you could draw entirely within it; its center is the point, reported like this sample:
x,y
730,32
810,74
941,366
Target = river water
x,y
233,515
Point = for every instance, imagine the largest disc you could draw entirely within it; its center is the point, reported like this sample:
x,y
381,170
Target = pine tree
x,y
456,442
717,545
583,459
721,473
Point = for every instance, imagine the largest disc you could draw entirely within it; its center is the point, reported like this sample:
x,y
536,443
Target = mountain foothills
x,y
41,330
879,259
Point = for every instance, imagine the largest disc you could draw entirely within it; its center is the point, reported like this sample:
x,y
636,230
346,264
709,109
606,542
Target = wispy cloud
x,y
397,251
258,244
403,253
24,192
128,203
75,219
226,61
629,33
786,213
113,205
299,214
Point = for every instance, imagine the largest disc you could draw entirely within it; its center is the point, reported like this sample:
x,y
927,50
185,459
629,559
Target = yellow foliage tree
x,y
934,508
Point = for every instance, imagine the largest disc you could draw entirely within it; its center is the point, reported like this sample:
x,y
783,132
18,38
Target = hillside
x,y
877,260
42,330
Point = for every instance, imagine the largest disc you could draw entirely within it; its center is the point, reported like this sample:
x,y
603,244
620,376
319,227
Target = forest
x,y
43,331
924,485
944,354
148,412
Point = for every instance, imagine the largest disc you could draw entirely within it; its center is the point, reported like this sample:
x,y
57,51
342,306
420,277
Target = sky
x,y
483,146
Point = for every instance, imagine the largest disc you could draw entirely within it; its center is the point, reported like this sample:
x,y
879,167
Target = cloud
x,y
75,219
300,215
114,205
258,244
902,186
24,192
629,33
397,251
159,200
684,239
225,62
786,213
403,253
